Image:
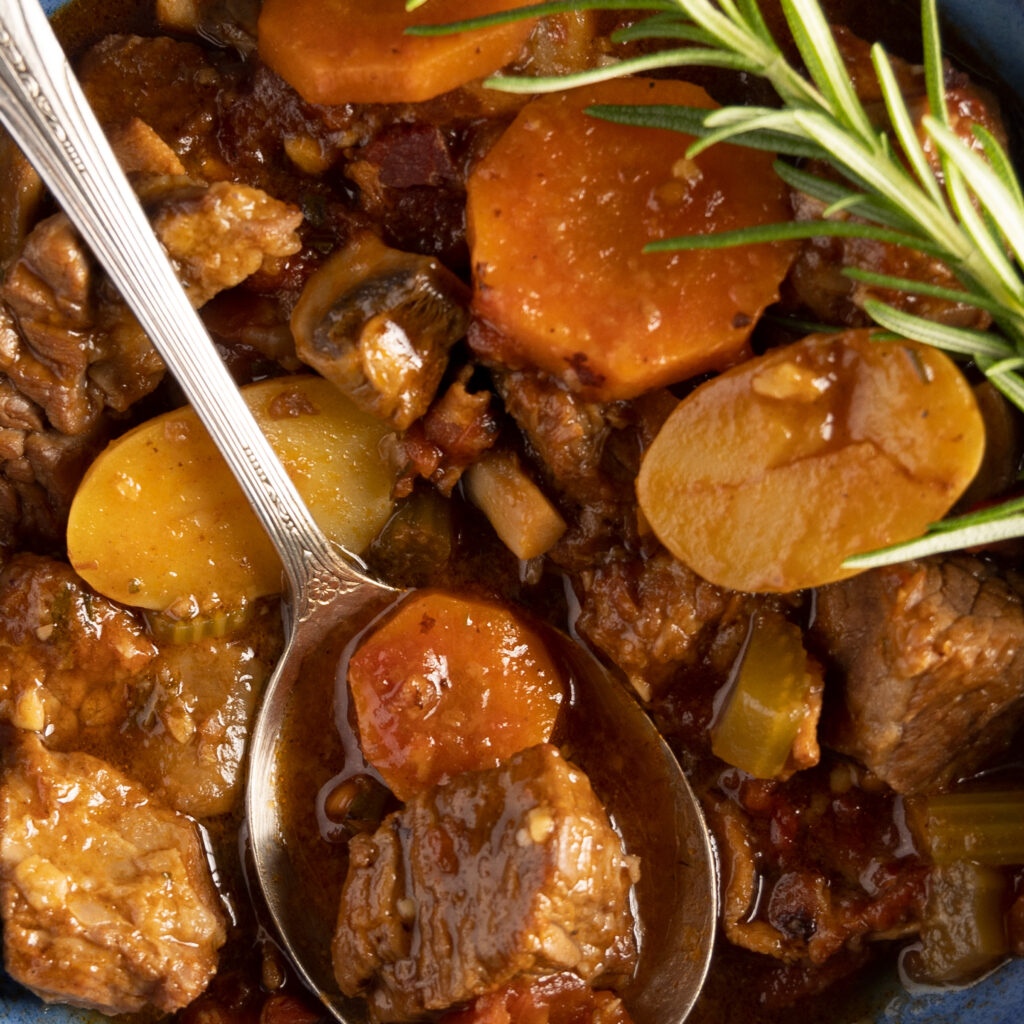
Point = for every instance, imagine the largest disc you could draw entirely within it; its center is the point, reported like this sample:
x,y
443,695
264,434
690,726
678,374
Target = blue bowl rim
x,y
995,28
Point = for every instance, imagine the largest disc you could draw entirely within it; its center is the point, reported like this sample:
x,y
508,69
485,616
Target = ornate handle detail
x,y
46,112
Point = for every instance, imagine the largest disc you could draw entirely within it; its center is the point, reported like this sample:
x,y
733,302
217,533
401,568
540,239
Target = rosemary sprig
x,y
970,214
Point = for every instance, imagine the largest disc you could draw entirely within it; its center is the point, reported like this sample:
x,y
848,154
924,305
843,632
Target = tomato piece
x,y
448,684
353,51
559,212
556,999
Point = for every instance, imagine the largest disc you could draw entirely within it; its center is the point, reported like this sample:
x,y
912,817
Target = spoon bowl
x,y
629,765
330,597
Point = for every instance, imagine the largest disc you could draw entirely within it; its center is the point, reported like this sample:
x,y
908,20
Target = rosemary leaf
x,y
989,188
540,10
633,65
798,325
940,542
935,81
723,125
828,191
791,86
786,231
817,47
850,202
1000,163
989,514
727,31
754,18
961,340
1007,382
1005,367
902,124
914,287
690,121
662,27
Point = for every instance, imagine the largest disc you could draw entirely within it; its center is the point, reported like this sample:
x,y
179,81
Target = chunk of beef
x,y
46,325
20,199
68,657
40,470
931,657
83,672
567,433
186,734
653,616
105,893
455,431
510,871
140,150
170,85
588,453
220,235
64,358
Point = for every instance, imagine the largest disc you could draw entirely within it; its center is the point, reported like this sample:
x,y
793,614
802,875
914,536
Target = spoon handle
x,y
47,114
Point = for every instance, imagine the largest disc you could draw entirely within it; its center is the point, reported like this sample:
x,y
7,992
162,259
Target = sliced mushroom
x,y
379,323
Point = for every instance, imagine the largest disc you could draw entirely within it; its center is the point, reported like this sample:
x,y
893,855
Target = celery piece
x,y
963,932
166,629
522,516
762,714
984,827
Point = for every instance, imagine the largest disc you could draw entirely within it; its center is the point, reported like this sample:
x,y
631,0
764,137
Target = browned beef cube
x,y
83,672
105,894
933,658
499,873
68,656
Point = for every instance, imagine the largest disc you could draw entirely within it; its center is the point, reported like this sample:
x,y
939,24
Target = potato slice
x,y
160,522
769,476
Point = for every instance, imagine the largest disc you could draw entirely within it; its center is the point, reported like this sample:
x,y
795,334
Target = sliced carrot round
x,y
559,212
449,684
356,51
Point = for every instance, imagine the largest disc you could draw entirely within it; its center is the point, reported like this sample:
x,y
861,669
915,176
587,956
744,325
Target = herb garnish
x,y
968,211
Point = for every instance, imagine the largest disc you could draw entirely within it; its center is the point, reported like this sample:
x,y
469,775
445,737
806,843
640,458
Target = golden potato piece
x,y
769,476
160,522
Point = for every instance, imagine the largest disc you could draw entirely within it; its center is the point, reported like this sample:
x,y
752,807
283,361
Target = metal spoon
x,y
629,764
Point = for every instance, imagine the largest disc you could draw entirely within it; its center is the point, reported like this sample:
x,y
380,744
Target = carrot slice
x,y
355,51
450,684
559,212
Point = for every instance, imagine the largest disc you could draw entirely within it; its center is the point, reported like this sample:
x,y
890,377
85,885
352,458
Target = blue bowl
x,y
995,30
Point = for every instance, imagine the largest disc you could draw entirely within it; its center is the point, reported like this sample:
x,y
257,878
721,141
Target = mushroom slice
x,y
378,323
